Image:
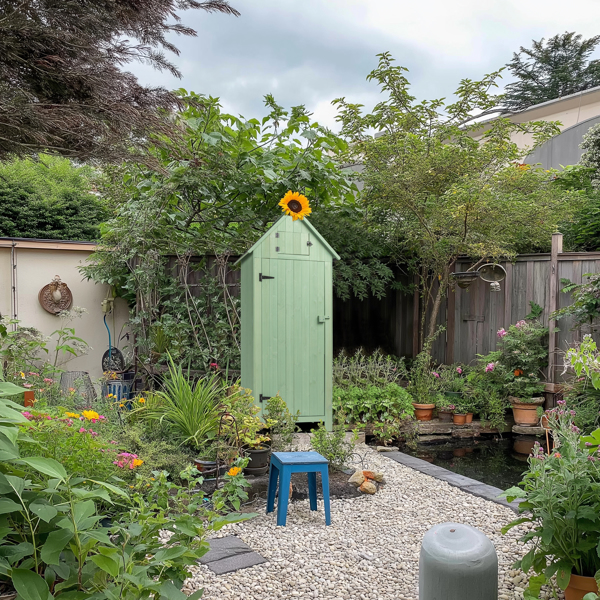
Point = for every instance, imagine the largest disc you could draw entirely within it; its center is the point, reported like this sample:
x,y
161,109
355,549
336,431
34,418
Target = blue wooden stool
x,y
283,464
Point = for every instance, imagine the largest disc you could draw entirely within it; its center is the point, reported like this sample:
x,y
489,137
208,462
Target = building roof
x,y
43,244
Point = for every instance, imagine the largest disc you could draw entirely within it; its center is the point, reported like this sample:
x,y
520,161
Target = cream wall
x,y
569,110
37,262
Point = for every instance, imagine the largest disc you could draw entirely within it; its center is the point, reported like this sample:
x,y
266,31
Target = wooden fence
x,y
471,317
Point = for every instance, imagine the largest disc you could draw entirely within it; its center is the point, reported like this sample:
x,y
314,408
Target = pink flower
x,y
520,323
48,418
48,380
561,402
83,430
459,370
28,385
26,414
34,374
502,332
489,367
102,417
113,442
435,374
94,433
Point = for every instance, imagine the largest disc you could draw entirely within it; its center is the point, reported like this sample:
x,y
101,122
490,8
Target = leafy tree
x,y
551,69
49,198
214,192
438,191
62,87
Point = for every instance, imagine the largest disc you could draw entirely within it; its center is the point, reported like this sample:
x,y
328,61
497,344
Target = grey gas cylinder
x,y
457,562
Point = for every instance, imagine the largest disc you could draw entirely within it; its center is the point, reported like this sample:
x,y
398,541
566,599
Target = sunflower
x,y
295,205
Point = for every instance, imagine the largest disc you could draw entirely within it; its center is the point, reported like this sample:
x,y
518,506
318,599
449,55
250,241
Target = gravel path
x,y
370,551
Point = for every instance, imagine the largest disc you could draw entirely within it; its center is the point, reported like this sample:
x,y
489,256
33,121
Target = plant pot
x,y
459,452
459,419
580,586
469,418
544,422
259,460
524,444
423,412
525,415
445,416
206,467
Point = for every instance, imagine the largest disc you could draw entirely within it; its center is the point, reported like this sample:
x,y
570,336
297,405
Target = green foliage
x,y
452,378
423,381
363,248
372,404
284,423
49,198
189,411
233,491
561,493
362,369
552,69
439,192
585,307
583,359
53,544
214,191
333,444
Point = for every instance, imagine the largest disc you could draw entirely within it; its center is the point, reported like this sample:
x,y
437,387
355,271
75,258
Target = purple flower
x,y
502,332
435,374
459,370
489,367
520,323
561,402
588,444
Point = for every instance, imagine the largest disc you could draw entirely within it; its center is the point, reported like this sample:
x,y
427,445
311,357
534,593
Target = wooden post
x,y
416,317
557,245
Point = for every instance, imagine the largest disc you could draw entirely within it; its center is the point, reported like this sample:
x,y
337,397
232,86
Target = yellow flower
x,y
137,462
234,471
110,396
72,415
142,400
22,375
121,405
90,414
295,205
152,478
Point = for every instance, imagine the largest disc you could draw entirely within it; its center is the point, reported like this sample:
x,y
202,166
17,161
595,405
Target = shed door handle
x,y
323,318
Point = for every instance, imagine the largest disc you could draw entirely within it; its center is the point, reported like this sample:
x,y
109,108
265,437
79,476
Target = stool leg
x,y
272,490
312,490
284,495
325,483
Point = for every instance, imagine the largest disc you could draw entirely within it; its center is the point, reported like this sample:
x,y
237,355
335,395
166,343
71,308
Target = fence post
x,y
557,246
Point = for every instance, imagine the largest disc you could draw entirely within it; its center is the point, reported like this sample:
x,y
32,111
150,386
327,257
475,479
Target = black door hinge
x,y
262,398
261,277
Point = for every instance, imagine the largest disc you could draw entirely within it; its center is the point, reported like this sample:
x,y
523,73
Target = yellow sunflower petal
x,y
295,205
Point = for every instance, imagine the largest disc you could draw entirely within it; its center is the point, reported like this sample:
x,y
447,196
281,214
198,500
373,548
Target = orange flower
x,y
557,455
234,471
517,372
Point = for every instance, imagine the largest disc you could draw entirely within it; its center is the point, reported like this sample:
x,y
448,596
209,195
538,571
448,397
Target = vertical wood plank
x,y
552,304
508,286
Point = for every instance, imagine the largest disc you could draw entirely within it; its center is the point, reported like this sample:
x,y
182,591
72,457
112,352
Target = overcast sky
x,y
312,51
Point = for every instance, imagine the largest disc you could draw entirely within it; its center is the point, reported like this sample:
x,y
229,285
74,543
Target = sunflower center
x,y
294,206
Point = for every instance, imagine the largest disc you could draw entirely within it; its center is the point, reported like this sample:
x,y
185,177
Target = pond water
x,y
498,462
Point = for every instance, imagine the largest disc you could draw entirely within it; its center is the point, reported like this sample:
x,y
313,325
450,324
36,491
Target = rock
x,y
387,449
357,479
373,476
368,487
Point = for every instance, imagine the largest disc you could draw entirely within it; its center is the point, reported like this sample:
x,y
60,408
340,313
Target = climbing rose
x,y
502,332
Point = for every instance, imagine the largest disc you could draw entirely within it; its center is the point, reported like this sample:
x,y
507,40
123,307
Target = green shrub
x,y
333,445
372,403
362,370
285,423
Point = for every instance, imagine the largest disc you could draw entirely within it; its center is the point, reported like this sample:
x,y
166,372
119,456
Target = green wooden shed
x,y
287,328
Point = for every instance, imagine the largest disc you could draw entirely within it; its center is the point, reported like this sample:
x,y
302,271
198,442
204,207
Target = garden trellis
x,y
287,329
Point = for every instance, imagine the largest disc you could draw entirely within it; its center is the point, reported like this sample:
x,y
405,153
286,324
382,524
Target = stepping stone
x,y
230,554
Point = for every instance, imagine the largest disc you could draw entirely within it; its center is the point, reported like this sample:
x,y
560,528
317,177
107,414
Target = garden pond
x,y
499,462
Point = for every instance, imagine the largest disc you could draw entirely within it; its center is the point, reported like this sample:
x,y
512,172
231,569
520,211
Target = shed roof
x,y
305,223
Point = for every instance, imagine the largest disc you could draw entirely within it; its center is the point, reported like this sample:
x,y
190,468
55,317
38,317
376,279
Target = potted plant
x,y
561,493
445,408
525,398
255,444
423,384
461,410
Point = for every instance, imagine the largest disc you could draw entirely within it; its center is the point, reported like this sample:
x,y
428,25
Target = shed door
x,y
293,334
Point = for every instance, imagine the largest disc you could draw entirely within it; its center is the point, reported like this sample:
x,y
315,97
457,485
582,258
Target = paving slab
x,y
228,554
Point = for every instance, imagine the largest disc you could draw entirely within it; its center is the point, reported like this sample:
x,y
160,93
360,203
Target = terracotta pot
x,y
545,423
28,398
459,452
459,419
525,415
580,586
523,445
445,415
469,418
423,412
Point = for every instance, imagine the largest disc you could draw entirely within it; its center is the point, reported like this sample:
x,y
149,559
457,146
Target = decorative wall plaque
x,y
55,296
